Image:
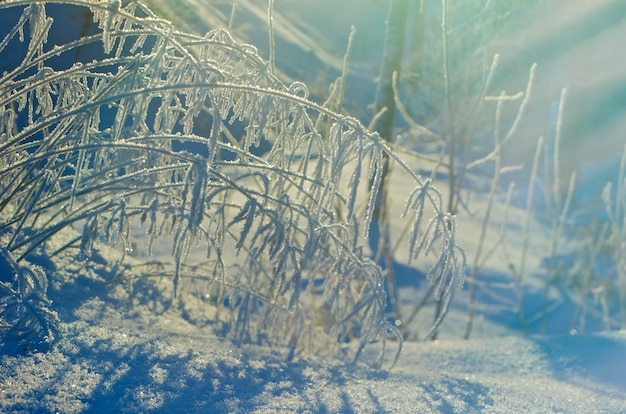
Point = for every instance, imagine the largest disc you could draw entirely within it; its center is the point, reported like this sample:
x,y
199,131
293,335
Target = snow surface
x,y
143,351
150,353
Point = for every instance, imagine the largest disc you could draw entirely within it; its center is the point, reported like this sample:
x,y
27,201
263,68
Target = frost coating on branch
x,y
195,139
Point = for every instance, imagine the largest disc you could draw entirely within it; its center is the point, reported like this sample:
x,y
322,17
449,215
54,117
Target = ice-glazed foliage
x,y
194,139
26,319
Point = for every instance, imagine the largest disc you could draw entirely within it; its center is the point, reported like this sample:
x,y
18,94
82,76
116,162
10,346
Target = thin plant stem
x,y
233,11
270,22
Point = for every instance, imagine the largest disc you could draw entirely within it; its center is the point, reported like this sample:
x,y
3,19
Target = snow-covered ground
x,y
147,353
140,350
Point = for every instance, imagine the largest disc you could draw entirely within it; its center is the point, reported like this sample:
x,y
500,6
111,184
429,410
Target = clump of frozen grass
x,y
25,315
597,263
196,140
616,244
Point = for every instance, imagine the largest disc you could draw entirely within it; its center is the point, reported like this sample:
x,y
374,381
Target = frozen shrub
x,y
196,140
25,315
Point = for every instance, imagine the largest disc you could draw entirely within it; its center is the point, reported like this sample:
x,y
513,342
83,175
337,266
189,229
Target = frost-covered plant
x,y
454,84
600,277
616,243
195,139
25,314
